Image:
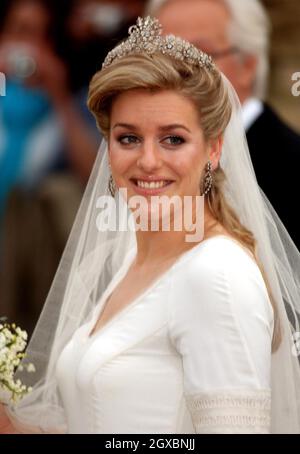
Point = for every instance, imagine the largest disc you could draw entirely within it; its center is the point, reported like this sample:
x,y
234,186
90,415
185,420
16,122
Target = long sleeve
x,y
221,323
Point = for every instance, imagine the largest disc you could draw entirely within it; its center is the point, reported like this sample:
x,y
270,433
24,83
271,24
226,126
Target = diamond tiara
x,y
146,36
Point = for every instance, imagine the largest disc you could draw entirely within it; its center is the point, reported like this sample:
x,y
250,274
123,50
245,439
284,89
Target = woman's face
x,y
157,137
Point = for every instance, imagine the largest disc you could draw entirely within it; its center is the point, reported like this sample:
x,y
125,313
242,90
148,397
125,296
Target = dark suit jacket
x,y
275,153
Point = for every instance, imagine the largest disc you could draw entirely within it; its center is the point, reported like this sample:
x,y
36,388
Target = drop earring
x,y
207,181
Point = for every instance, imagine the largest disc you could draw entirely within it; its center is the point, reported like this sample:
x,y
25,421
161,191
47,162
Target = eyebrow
x,y
161,128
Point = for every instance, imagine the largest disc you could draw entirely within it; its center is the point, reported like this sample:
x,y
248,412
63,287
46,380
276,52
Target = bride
x,y
156,330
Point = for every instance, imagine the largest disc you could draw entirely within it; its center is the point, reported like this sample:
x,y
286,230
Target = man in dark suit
x,y
236,34
275,154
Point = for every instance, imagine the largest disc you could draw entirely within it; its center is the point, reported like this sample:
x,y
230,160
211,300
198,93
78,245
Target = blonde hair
x,y
205,88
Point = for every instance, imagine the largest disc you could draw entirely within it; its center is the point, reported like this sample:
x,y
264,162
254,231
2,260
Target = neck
x,y
157,246
244,94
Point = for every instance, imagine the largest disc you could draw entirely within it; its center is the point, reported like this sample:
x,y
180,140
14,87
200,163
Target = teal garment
x,y
21,111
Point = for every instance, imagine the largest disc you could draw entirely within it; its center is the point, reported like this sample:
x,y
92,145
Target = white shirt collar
x,y
252,109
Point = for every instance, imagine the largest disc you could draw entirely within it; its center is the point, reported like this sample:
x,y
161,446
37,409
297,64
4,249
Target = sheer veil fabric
x,y
94,254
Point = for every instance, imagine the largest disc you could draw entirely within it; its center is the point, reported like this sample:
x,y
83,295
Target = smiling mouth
x,y
151,184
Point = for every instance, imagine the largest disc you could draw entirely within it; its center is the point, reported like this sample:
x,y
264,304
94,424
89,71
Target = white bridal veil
x,y
94,254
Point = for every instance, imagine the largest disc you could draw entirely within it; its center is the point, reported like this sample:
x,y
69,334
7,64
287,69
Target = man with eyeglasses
x,y
236,34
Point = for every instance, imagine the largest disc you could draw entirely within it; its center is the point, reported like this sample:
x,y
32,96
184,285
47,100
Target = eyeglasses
x,y
219,53
224,53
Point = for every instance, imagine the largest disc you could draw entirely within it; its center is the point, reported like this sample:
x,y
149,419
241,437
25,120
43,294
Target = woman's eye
x,y
175,140
130,139
127,140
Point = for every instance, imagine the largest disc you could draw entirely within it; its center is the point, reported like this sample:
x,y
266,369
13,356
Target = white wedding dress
x,y
191,354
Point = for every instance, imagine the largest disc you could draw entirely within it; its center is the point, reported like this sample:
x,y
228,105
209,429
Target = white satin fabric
x,y
192,354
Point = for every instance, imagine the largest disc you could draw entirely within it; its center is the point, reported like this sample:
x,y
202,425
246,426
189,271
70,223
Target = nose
x,y
150,158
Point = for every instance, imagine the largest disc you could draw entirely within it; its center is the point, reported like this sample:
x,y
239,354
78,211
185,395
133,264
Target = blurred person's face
x,y
101,17
27,22
205,23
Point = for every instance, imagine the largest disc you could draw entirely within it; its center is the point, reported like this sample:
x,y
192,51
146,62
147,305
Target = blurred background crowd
x,y
49,50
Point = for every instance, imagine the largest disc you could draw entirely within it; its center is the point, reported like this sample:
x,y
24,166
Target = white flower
x,y
2,340
30,368
13,342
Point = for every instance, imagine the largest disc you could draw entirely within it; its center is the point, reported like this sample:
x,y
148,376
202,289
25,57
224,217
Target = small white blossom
x,y
30,368
13,343
2,340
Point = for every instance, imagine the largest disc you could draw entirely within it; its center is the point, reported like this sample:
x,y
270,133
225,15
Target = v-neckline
x,y
105,297
91,333
110,289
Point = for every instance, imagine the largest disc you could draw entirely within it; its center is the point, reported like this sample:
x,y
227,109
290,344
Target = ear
x,y
215,151
247,75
